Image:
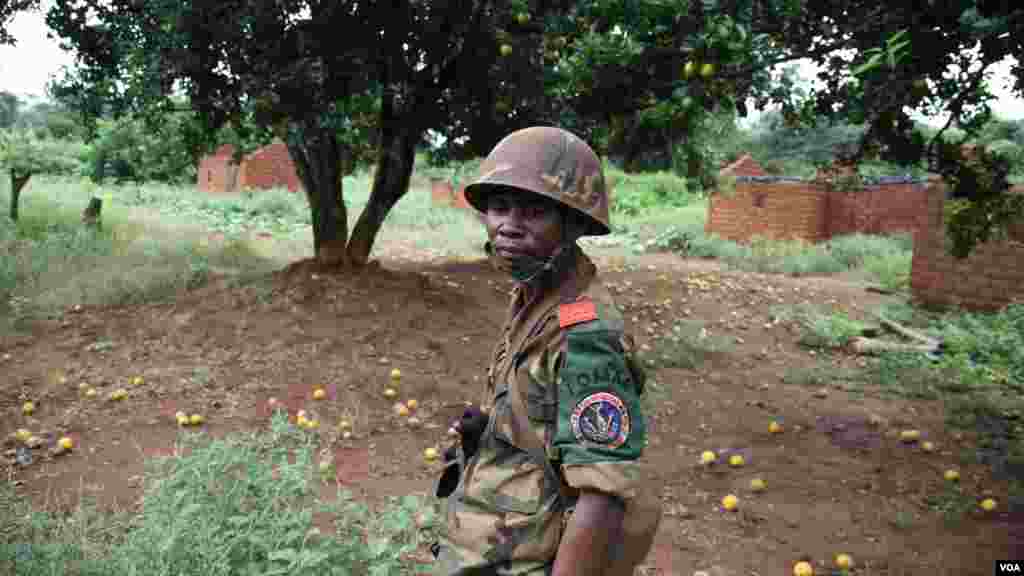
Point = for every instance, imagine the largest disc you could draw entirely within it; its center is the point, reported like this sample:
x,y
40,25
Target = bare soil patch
x,y
836,482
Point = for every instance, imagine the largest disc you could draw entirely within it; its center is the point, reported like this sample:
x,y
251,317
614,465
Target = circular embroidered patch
x,y
601,418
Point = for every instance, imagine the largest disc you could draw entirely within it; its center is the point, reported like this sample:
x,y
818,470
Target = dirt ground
x,y
836,483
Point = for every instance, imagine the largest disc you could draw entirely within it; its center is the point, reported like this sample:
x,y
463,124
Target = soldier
x,y
546,480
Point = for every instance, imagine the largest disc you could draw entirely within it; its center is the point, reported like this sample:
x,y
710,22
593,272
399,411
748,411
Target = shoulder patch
x,y
601,419
576,313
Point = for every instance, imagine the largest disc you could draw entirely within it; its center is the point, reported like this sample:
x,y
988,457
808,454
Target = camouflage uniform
x,y
563,393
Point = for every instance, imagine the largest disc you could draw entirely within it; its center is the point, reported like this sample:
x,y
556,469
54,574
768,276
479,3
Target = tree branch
x,y
955,108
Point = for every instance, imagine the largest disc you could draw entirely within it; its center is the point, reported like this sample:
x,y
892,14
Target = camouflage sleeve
x,y
601,430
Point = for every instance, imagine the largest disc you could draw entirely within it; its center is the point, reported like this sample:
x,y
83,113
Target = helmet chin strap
x,y
528,269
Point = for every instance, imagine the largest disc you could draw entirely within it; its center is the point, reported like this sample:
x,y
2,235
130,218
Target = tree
x,y
287,66
471,71
22,155
933,59
51,120
8,9
659,73
776,140
880,63
127,148
9,104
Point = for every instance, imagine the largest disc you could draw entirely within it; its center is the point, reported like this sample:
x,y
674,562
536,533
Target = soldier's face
x,y
521,223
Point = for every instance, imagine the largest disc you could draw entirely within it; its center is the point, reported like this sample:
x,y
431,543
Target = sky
x,y
25,68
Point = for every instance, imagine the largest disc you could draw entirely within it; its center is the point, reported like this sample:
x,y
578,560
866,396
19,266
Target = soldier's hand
x,y
449,479
471,427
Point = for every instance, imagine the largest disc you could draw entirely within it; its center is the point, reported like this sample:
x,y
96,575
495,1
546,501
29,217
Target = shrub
x,y
854,249
891,271
245,504
820,329
636,194
128,149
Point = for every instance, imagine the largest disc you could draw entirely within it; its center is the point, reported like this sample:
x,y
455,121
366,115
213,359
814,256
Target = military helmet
x,y
551,162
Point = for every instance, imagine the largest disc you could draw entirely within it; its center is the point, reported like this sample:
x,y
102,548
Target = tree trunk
x,y
315,152
632,151
670,153
18,182
390,183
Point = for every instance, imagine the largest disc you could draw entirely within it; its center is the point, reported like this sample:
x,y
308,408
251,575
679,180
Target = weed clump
x,y
245,504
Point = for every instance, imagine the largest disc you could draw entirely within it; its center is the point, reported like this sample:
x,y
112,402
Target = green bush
x,y
981,352
886,259
240,505
891,271
636,194
821,329
25,152
128,149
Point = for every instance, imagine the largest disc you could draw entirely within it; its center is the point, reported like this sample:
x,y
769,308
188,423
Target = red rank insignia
x,y
576,313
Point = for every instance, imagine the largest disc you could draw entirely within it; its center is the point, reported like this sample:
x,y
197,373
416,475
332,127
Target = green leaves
x,y
21,152
894,51
244,505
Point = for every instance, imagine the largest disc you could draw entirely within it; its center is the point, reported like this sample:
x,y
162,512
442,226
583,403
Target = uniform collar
x,y
564,285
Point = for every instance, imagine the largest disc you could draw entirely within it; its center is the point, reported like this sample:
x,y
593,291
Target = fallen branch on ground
x,y
907,332
880,290
869,346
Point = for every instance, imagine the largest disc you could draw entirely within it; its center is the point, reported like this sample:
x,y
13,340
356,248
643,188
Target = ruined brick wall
x,y
778,208
991,277
813,209
216,172
885,208
269,167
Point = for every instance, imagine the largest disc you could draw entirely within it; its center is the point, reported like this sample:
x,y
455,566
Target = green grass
x,y
151,245
51,261
678,226
880,259
952,503
153,241
884,259
240,505
444,230
820,374
820,329
636,194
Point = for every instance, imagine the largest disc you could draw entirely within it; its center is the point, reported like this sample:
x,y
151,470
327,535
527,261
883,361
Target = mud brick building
x,y
817,209
268,167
